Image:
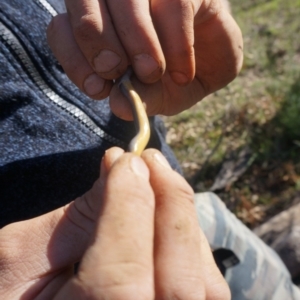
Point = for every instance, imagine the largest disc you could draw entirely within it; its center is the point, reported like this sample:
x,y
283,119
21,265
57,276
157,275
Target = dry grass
x,y
258,113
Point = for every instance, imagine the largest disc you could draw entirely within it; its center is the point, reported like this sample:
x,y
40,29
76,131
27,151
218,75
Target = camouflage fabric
x,y
260,273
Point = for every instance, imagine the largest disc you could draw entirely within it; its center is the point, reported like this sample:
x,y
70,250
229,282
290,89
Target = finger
x,y
88,204
45,246
177,241
119,263
75,65
183,262
162,97
134,26
174,23
110,157
96,37
218,45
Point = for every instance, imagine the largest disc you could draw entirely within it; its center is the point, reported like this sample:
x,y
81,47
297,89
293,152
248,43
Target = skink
x,y
140,141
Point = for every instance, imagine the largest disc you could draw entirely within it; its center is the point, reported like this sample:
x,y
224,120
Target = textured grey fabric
x,y
260,274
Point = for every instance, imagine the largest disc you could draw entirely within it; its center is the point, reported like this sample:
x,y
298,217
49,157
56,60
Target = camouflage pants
x,y
260,274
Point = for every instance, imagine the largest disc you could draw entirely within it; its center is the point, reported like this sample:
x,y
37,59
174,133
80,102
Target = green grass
x,y
259,110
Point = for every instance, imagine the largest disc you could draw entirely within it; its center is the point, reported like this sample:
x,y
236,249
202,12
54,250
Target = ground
x,y
243,142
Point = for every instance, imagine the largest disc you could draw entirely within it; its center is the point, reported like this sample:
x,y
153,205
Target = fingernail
x,y
139,167
93,84
145,65
106,61
162,160
179,78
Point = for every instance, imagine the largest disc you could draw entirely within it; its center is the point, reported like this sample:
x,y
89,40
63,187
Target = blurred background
x,y
243,142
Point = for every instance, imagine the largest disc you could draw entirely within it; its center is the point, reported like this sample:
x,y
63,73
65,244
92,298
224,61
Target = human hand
x,y
180,50
135,232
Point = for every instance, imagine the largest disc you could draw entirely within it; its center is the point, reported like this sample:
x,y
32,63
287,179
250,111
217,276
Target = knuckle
x,y
185,292
181,55
86,27
81,214
126,292
121,285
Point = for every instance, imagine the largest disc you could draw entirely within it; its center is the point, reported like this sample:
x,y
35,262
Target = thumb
x,y
34,251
